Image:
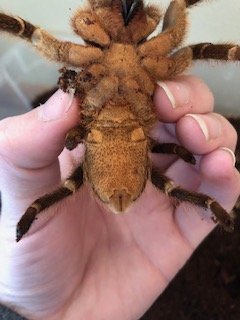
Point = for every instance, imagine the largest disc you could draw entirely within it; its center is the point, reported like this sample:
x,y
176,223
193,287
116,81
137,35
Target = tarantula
x,y
119,68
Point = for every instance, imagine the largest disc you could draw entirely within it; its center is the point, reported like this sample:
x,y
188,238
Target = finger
x,y
173,99
35,139
202,134
30,145
221,181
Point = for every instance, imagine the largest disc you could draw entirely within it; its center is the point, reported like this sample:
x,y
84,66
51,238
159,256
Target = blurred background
x,y
24,74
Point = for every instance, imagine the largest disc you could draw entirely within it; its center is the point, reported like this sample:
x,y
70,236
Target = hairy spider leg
x,y
87,26
98,96
50,47
90,84
71,185
74,137
227,52
127,21
190,3
174,33
219,214
173,148
144,23
90,107
140,103
162,68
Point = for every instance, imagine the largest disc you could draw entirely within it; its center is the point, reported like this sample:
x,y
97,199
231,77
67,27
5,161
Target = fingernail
x,y
181,96
168,93
229,151
56,107
210,125
201,123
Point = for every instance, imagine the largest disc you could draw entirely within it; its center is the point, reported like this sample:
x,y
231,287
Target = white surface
x,y
23,74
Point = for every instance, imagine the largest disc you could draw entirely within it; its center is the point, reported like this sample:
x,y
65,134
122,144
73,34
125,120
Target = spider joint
x,y
232,53
70,185
21,22
169,187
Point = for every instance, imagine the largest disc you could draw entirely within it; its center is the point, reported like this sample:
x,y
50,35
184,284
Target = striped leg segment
x,y
74,137
201,200
236,124
16,26
71,185
173,148
190,3
216,51
50,47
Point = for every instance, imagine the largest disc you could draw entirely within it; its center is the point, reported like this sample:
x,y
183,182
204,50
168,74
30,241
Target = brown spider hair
x,y
119,68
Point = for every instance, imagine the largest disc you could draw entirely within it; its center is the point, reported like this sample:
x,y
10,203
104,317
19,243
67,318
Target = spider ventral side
x,y
114,75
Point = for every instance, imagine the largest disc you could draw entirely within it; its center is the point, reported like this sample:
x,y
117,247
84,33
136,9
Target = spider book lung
x,y
119,67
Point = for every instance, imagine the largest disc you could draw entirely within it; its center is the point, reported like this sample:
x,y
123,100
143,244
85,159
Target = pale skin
x,y
86,263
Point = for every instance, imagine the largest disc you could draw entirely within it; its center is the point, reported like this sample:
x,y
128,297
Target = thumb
x,y
29,148
35,139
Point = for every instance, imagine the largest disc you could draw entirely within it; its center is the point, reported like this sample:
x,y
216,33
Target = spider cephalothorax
x,y
119,67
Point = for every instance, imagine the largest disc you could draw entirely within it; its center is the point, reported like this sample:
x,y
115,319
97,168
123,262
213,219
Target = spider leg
x,y
144,82
144,23
87,81
199,199
85,24
95,99
81,82
100,3
174,31
97,70
165,67
50,47
235,122
71,185
75,136
16,26
140,103
216,51
67,81
173,148
190,3
109,16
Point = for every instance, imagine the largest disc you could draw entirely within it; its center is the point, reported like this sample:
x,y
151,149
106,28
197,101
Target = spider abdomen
x,y
116,159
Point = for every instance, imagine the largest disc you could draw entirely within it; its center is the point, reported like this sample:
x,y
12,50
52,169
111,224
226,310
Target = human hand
x,y
80,262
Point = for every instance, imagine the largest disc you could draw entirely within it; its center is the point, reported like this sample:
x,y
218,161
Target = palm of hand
x,y
86,263
86,257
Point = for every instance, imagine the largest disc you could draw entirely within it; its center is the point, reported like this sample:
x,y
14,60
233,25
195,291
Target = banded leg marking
x,y
173,148
74,137
71,185
216,51
201,200
190,3
16,26
64,51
